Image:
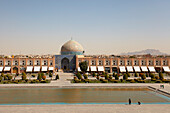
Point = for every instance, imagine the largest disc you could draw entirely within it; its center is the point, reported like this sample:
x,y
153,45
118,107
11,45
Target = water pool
x,y
80,96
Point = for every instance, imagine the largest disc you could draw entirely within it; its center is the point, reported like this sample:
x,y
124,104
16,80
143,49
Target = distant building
x,y
72,53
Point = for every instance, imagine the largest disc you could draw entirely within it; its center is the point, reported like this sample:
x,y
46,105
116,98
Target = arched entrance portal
x,y
65,64
15,70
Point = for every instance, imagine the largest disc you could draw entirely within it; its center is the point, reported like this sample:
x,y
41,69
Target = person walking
x,y
129,101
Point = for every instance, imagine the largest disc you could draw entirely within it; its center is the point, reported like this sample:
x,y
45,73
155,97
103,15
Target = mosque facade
x,y
72,53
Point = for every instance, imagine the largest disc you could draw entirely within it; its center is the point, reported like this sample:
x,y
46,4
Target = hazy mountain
x,y
143,52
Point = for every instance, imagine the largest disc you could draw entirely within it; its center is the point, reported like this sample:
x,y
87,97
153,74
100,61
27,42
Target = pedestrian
x,y
139,103
129,101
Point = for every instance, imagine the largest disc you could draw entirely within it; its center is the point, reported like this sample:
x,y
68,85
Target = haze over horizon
x,y
100,26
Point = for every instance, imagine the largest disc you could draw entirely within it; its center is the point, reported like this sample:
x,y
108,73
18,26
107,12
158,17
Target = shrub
x,y
39,77
16,82
111,80
116,77
101,79
106,76
147,75
114,74
125,77
157,77
132,81
143,77
5,77
161,76
121,80
75,78
128,80
85,76
105,81
44,77
152,75
9,77
153,79
79,76
86,80
50,75
136,74
5,82
128,74
24,76
57,77
110,76
33,81
158,81
0,78
94,74
116,81
166,81
2,74
77,81
33,75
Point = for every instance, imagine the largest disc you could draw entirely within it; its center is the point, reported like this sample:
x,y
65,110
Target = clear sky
x,y
100,26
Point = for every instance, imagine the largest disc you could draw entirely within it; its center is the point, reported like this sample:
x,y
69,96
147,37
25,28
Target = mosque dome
x,y
72,48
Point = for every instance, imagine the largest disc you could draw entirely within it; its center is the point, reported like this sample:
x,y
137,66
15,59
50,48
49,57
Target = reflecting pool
x,y
79,95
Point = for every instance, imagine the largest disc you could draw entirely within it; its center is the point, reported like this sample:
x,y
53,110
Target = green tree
x,y
85,76
152,75
2,74
143,77
128,74
136,74
51,75
114,74
161,77
24,76
79,76
106,76
39,77
125,76
83,66
0,78
116,77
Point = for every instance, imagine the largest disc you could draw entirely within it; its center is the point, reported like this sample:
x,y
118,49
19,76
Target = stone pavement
x,y
102,108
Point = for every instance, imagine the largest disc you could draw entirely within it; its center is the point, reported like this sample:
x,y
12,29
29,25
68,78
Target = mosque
x,y
72,53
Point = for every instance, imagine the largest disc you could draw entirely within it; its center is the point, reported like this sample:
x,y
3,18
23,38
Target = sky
x,y
100,26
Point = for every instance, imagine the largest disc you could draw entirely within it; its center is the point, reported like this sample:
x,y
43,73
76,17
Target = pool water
x,y
80,95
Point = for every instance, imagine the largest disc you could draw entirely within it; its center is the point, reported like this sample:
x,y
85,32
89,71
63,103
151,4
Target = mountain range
x,y
144,52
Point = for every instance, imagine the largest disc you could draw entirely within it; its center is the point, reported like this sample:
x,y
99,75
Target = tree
x,y
85,76
24,76
79,76
152,75
136,74
161,77
39,77
125,76
0,78
83,66
143,77
128,74
106,76
114,74
51,75
2,74
43,77
116,77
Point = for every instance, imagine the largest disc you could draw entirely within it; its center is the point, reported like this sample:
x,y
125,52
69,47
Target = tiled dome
x,y
72,48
